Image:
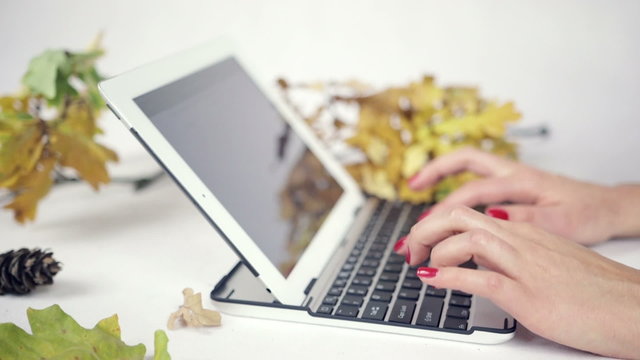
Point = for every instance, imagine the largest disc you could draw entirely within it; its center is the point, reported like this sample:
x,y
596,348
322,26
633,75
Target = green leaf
x,y
42,76
57,336
160,341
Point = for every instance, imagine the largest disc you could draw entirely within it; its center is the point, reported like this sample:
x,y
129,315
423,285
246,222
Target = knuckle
x,y
494,283
479,238
458,212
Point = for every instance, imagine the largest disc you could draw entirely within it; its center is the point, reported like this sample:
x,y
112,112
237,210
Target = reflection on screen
x,y
232,137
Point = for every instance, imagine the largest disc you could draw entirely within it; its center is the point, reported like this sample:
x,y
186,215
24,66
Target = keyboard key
x,y
375,310
347,267
458,312
344,274
393,268
460,293
352,300
357,290
461,301
340,283
330,300
395,259
355,253
386,286
381,296
409,294
367,272
347,311
374,255
412,284
352,259
361,280
431,291
386,276
336,291
378,247
371,263
402,311
430,312
325,309
456,324
411,274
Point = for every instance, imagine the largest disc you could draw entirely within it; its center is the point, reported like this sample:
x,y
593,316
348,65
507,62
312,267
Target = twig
x,y
140,183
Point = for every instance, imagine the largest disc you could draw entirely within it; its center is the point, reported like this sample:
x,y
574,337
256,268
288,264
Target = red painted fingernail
x,y
424,214
399,244
498,214
407,257
413,178
426,272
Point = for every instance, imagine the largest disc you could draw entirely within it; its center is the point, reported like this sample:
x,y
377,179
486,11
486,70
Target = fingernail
x,y
413,178
399,244
498,214
407,257
426,272
424,214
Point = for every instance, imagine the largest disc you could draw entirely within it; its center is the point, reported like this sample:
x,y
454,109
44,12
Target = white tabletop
x,y
570,65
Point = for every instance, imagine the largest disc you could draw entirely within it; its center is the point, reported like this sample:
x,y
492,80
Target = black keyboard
x,y
375,284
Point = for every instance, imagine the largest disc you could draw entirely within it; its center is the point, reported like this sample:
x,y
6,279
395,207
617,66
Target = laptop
x,y
311,247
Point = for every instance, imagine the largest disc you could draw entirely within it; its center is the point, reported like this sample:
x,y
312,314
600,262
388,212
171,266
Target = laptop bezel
x,y
120,93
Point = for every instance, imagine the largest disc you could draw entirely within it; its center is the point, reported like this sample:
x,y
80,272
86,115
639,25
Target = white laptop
x,y
312,247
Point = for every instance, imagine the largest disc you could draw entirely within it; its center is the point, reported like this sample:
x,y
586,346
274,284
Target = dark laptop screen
x,y
233,138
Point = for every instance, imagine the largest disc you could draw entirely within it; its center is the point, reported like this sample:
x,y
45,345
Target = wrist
x,y
626,205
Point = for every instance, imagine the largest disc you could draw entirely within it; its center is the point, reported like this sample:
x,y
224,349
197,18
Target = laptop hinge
x,y
307,290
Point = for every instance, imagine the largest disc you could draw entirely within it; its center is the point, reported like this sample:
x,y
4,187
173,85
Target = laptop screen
x,y
234,139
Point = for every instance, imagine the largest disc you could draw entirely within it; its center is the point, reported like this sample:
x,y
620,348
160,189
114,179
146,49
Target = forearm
x,y
627,203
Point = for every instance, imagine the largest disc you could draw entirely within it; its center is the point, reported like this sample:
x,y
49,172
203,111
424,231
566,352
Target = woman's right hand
x,y
583,212
554,287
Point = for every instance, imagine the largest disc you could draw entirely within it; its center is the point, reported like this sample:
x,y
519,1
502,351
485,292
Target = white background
x,y
572,65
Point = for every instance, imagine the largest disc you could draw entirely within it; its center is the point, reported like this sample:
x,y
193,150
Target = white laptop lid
x,y
272,191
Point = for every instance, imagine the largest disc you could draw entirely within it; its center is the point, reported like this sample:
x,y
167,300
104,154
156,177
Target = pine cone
x,y
22,270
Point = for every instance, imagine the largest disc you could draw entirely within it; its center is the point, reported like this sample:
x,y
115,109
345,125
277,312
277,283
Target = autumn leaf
x,y
30,189
19,152
399,129
56,335
192,314
84,155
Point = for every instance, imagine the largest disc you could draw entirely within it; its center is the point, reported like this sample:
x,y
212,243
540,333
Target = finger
x,y
481,246
502,290
470,159
492,191
441,225
549,218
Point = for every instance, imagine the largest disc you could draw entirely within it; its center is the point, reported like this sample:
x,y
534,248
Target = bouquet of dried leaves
x,y
384,137
48,129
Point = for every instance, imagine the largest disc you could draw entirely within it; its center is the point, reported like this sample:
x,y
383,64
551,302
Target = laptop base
x,y
240,293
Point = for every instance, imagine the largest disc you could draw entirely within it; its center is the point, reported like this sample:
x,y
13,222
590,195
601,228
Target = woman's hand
x,y
583,212
556,288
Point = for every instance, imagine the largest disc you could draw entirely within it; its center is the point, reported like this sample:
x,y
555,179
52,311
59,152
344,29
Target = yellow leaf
x,y
377,151
32,187
416,197
84,155
19,153
79,119
415,157
375,182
